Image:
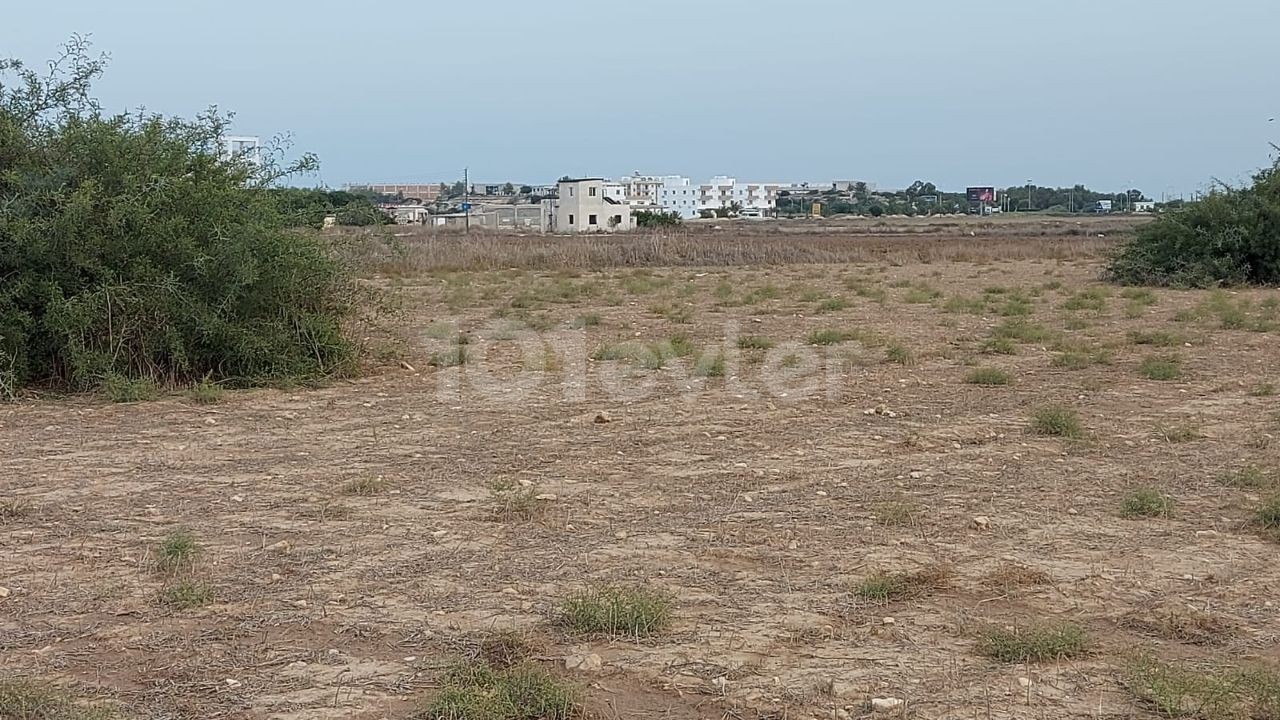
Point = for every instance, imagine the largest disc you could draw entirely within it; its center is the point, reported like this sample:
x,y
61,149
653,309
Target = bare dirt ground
x,y
353,537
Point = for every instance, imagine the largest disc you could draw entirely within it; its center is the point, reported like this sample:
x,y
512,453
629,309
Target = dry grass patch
x,y
364,486
755,342
22,699
1251,477
1146,503
205,392
1161,368
1205,692
615,611
897,513
513,502
186,595
988,377
1268,517
1057,421
831,337
1173,621
1035,643
478,691
886,587
11,510
899,354
1011,578
1081,359
1157,338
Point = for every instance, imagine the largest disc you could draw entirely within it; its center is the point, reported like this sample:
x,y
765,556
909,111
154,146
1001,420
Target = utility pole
x,y
1029,201
466,197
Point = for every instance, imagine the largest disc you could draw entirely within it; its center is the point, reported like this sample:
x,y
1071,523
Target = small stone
x,y
411,658
589,662
982,522
842,714
721,683
916,475
439,533
1207,533
237,498
525,482
1024,682
4,592
298,664
620,535
407,366
546,497
1072,511
232,682
510,591
884,705
889,621
333,651
603,418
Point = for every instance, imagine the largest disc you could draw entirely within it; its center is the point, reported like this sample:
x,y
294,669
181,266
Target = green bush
x,y
1230,237
132,249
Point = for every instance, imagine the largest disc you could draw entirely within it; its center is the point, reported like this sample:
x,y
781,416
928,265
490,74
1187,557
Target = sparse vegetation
x,y
23,699
1147,503
1035,643
177,551
1268,517
617,611
988,377
121,389
477,691
899,354
205,392
1057,421
364,486
830,337
585,321
883,587
1161,368
187,594
1251,477
755,342
1205,692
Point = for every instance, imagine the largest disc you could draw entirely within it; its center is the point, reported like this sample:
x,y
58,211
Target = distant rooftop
x,y
585,179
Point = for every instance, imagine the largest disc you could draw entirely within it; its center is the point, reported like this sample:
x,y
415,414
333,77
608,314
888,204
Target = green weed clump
x,y
478,691
616,611
1037,643
1057,421
1181,689
988,377
1147,503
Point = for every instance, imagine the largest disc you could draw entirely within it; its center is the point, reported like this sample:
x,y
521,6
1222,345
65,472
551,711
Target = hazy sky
x,y
1166,94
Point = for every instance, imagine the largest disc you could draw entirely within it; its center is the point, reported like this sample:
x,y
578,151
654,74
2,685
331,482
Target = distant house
x,y
422,192
588,205
242,147
1144,206
408,214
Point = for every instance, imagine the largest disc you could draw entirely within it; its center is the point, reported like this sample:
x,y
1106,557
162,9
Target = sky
x,y
1163,95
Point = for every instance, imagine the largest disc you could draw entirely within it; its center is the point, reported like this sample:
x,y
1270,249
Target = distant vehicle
x,y
753,214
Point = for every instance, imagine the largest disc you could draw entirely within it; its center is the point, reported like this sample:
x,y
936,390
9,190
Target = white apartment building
x,y
242,147
721,192
646,190
588,205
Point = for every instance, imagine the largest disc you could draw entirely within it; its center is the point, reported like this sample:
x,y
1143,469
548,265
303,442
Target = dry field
x,y
954,470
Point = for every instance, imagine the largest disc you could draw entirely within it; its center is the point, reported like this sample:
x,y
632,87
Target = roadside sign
x,y
466,206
